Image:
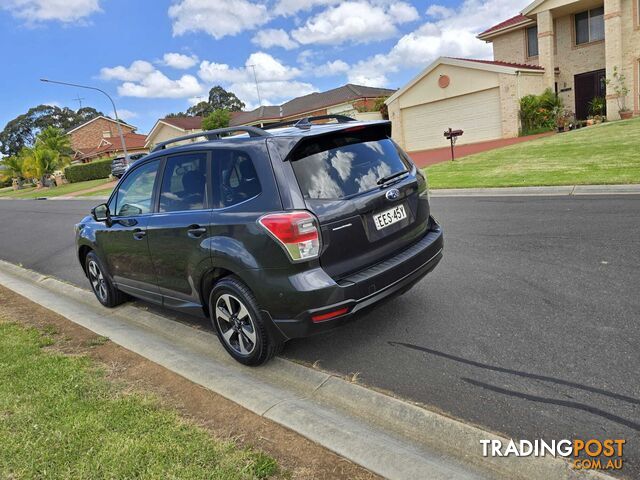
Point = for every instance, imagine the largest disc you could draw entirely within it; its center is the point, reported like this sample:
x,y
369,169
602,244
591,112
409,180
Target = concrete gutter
x,y
389,436
538,191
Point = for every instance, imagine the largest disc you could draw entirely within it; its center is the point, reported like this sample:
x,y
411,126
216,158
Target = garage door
x,y
478,114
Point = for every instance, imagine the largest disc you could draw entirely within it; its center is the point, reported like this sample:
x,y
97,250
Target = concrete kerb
x,y
565,190
391,437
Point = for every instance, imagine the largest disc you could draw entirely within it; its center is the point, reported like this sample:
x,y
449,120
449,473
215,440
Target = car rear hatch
x,y
365,192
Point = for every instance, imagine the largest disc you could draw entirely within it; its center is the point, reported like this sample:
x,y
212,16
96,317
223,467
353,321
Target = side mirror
x,y
101,213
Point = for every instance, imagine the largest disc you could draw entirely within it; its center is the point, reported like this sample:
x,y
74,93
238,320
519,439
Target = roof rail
x,y
214,135
305,122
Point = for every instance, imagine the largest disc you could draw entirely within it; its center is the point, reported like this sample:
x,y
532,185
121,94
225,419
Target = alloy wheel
x,y
98,282
235,324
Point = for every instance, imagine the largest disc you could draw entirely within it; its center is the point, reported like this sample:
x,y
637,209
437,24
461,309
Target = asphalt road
x,y
528,327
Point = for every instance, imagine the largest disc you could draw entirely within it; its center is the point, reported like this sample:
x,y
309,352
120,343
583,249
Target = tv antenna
x,y
255,78
79,99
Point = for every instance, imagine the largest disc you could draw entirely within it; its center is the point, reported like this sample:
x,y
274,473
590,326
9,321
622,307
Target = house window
x,y
532,41
589,26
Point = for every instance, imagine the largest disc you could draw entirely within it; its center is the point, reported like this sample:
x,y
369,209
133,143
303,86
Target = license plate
x,y
389,217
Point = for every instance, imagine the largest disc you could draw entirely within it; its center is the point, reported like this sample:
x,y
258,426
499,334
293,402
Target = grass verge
x,y
60,418
66,189
598,155
102,192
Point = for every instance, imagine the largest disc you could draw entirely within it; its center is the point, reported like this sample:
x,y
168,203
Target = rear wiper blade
x,y
384,180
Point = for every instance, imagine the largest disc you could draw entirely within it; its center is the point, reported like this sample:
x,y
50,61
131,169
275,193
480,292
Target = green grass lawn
x,y
601,154
32,192
103,192
60,418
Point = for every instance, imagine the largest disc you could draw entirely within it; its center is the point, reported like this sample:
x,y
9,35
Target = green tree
x,y
217,119
56,140
12,167
200,109
220,99
22,130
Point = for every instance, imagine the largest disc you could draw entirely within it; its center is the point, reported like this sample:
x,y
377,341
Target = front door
x,y
587,87
125,246
179,232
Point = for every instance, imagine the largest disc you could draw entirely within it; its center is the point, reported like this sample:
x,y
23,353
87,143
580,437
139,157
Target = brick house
x,y
347,100
568,46
99,137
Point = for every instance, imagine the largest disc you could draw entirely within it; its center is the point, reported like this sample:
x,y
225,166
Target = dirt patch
x,y
219,416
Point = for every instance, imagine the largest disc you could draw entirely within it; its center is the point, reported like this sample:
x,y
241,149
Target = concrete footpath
x,y
388,436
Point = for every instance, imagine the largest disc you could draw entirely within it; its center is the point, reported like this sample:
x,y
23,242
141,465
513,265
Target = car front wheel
x,y
236,317
104,290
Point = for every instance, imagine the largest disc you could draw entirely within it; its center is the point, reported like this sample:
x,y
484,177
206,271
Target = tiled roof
x,y
133,141
502,64
185,123
309,103
510,22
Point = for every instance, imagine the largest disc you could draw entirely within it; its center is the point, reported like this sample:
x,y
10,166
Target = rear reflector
x,y
296,231
329,315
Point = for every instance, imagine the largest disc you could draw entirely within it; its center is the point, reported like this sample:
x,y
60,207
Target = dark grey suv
x,y
273,234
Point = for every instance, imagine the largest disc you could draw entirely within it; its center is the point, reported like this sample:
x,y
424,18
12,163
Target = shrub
x,y
88,171
217,119
538,112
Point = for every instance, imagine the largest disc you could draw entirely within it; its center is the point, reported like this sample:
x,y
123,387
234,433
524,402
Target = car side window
x,y
184,183
237,179
135,195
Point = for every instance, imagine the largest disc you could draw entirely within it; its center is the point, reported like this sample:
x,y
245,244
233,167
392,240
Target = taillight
x,y
296,231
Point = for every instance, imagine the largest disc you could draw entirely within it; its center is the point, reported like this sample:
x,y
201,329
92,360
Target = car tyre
x,y
235,315
102,286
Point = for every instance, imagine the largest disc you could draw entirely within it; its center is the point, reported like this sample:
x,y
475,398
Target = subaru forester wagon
x,y
273,234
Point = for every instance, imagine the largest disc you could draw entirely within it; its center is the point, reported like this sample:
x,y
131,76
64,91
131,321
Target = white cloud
x,y
439,11
292,7
452,33
402,12
158,85
217,18
179,61
138,70
125,114
35,11
267,68
276,80
272,37
354,21
330,69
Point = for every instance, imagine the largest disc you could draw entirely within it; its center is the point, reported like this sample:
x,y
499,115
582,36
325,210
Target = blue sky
x,y
157,57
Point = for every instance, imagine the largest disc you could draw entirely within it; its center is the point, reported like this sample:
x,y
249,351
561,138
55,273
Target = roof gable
x,y
103,118
487,65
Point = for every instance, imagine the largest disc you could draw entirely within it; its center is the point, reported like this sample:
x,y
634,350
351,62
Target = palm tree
x,y
12,167
40,161
56,140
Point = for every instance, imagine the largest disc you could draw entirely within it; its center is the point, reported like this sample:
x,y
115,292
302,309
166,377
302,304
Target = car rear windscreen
x,y
344,165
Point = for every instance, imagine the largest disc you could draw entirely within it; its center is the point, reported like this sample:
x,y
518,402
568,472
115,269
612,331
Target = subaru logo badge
x,y
393,194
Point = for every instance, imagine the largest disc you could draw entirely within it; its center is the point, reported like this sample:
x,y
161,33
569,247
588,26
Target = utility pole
x,y
255,78
115,112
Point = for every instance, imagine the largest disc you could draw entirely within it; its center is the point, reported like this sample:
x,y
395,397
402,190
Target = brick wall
x,y
90,135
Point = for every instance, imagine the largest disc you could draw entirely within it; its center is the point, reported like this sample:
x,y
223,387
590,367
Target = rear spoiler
x,y
290,147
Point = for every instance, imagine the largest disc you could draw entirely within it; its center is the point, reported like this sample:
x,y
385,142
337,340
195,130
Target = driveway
x,y
528,327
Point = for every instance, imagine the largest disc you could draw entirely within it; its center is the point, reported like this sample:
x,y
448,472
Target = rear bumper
x,y
361,290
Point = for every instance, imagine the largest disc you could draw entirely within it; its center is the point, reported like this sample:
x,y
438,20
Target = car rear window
x,y
345,165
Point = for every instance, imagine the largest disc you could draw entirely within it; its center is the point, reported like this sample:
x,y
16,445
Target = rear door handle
x,y
139,234
196,231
